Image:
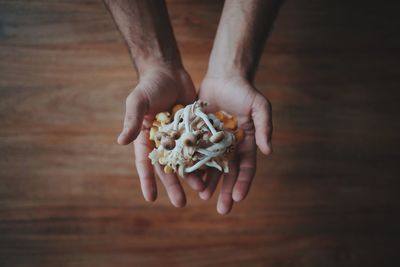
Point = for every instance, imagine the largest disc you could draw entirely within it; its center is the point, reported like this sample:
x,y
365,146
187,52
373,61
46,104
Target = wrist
x,y
156,70
229,67
232,58
145,64
227,70
159,51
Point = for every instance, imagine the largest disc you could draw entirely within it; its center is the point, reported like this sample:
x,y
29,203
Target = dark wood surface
x,y
328,196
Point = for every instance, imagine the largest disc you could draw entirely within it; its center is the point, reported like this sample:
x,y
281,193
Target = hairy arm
x,y
147,30
162,83
228,86
241,34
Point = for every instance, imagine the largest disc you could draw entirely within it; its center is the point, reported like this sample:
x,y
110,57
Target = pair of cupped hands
x,y
159,89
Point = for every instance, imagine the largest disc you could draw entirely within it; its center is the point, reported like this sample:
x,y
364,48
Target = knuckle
x,y
129,117
141,161
268,151
268,104
262,103
137,100
130,98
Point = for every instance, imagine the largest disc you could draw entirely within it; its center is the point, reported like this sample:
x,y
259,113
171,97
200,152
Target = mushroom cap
x,y
217,137
167,142
181,171
159,135
189,139
153,131
176,108
198,134
163,117
239,135
175,134
168,169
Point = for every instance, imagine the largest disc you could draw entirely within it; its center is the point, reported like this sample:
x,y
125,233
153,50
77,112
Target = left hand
x,y
238,97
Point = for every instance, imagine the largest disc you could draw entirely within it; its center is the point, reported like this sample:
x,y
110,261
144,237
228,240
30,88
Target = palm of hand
x,y
156,91
159,90
253,111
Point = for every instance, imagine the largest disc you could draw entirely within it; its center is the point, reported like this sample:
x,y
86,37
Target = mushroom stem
x,y
206,120
195,121
198,164
206,152
214,165
227,141
186,118
176,119
217,137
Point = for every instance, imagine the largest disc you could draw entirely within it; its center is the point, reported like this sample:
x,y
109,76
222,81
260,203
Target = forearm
x,y
147,30
241,34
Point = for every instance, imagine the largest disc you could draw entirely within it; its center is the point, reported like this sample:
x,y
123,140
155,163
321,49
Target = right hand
x,y
158,90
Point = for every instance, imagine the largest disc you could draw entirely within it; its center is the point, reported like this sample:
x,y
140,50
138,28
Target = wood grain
x,y
328,196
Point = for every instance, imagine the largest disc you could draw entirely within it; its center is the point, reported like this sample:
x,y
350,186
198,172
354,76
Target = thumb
x,y
262,118
136,107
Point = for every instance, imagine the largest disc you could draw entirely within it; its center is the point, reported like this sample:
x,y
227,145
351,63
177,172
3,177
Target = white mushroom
x,y
198,164
206,120
186,114
189,139
214,165
167,142
192,140
217,137
176,118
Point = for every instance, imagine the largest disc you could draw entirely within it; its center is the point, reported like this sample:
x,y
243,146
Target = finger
x,y
211,182
225,200
247,169
262,117
189,95
144,167
194,180
172,186
136,108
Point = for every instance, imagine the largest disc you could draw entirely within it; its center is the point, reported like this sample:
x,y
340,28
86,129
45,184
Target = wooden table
x,y
328,196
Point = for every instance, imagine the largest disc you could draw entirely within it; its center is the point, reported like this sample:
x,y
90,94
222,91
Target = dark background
x,y
328,196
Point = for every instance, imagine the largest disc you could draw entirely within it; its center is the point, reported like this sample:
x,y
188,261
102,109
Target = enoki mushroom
x,y
187,139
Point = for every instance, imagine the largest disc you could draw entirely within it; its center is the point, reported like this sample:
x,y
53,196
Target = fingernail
x,y
269,147
237,196
199,187
121,136
149,198
222,210
204,196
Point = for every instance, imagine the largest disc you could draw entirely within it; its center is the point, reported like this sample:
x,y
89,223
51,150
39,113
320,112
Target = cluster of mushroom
x,y
187,139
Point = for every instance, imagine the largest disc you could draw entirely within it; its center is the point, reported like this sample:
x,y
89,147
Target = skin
x,y
228,85
163,82
253,112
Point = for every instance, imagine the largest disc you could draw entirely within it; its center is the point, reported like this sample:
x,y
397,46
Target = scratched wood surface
x,y
328,196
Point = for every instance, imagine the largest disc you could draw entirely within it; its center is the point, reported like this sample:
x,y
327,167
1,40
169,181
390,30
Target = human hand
x,y
159,89
238,97
237,48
